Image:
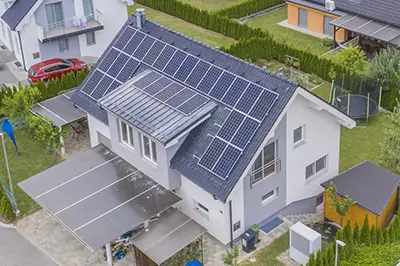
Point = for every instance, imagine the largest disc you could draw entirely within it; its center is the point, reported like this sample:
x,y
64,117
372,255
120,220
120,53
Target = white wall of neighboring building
x,y
30,42
94,127
322,137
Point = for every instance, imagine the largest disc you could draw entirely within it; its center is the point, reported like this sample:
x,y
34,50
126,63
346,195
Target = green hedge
x,y
6,207
248,7
385,255
204,19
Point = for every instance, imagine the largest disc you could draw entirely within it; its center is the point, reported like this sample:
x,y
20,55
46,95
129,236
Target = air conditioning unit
x,y
330,5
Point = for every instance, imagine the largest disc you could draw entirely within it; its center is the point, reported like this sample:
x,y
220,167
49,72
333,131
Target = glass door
x,y
55,15
88,10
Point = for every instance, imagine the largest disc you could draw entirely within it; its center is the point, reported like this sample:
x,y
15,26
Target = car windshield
x,y
67,62
31,71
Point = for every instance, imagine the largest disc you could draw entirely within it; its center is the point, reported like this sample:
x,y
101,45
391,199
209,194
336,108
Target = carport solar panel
x,y
387,34
62,108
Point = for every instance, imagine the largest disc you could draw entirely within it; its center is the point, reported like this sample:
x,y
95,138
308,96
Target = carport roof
x,y
368,27
60,110
167,236
98,196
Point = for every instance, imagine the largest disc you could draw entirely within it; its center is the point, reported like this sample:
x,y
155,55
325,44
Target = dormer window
x,y
149,149
126,134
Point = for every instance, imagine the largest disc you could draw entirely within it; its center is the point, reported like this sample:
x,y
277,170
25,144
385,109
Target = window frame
x,y
63,49
303,136
262,169
314,169
201,209
130,140
152,149
269,199
92,33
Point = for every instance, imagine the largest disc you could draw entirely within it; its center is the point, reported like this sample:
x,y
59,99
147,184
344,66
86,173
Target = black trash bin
x,y
248,241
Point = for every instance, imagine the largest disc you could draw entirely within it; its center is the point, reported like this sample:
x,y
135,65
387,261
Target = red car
x,y
54,68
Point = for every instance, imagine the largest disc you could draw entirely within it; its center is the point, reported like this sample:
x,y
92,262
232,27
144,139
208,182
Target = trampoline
x,y
357,106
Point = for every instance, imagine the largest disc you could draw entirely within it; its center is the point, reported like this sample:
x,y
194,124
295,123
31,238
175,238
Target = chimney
x,y
140,17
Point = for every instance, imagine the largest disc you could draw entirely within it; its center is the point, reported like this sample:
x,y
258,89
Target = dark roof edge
x,y
325,11
16,25
327,182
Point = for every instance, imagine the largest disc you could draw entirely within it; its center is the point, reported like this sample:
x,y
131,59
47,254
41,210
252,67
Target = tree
x,y
341,206
311,260
373,235
354,59
389,157
356,234
319,259
380,239
392,234
365,236
386,237
385,67
330,255
231,257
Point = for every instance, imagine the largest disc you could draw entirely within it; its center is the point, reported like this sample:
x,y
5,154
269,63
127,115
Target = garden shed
x,y
374,189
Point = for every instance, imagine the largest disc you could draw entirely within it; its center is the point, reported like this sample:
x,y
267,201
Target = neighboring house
x,y
36,30
374,189
237,143
370,19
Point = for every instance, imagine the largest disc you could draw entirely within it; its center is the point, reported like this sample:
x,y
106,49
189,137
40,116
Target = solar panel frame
x,y
127,71
164,57
248,99
175,63
186,68
193,104
245,133
231,125
134,43
154,52
227,161
209,79
102,87
169,92
180,98
157,86
210,156
222,85
144,48
263,105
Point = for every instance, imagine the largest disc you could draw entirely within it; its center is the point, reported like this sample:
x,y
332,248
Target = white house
x,y
36,30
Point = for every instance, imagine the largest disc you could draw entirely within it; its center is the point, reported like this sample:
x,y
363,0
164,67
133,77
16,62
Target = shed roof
x,y
369,185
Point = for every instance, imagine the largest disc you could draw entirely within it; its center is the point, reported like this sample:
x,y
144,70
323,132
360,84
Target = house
x,y
374,189
237,143
369,19
36,30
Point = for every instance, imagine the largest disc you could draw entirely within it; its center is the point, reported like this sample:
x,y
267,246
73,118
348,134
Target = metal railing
x,y
266,171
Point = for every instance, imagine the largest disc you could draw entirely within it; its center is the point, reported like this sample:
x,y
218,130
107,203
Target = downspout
x,y
22,50
231,222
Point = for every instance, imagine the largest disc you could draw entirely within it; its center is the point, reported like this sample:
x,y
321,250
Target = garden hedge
x,y
6,207
248,7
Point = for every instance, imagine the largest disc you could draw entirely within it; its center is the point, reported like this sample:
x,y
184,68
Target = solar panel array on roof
x,y
248,99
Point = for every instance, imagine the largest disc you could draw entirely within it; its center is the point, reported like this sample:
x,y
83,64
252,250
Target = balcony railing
x,y
266,171
70,26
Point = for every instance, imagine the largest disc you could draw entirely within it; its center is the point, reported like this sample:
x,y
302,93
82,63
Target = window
x,y
265,164
88,8
201,209
328,28
63,44
55,15
298,135
50,69
270,196
149,149
126,134
303,17
90,38
316,167
320,200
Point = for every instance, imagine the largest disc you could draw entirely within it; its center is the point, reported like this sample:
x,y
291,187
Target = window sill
x,y
317,175
298,144
150,161
127,146
203,214
263,180
267,202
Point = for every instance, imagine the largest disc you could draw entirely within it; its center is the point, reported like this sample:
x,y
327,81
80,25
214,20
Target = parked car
x,y
54,68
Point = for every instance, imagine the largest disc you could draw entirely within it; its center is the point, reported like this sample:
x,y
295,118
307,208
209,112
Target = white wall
x,y
30,42
114,14
218,222
94,127
237,199
322,138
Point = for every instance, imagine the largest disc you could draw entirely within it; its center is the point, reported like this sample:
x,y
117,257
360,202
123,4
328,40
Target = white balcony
x,y
70,27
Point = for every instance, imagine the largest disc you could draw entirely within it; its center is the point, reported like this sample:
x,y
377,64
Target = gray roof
x,y
386,11
186,158
14,15
150,115
369,185
317,6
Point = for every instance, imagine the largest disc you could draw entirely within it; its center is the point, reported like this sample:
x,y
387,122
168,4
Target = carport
x,y
386,33
60,110
97,196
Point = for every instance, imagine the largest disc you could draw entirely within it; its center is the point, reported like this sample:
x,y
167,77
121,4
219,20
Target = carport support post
x,y
109,254
62,143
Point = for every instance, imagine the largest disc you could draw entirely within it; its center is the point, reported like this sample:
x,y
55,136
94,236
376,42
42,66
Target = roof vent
x,y
330,5
140,17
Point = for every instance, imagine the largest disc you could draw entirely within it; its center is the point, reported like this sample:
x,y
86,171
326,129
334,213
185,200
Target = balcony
x,y
71,27
268,170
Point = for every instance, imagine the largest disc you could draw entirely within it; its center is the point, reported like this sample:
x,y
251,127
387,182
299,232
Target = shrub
x,y
386,237
365,237
248,7
384,255
356,234
311,260
379,237
354,59
374,240
6,208
392,234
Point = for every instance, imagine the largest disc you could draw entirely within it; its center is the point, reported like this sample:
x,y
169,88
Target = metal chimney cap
x,y
140,10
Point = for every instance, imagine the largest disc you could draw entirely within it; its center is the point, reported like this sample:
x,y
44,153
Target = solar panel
x,y
168,92
187,67
133,44
198,73
193,104
209,79
92,82
157,86
245,133
230,126
102,87
175,63
212,153
164,57
128,70
118,64
227,161
180,97
108,60
249,98
124,38
147,80
263,105
153,53
222,85
112,87
235,91
144,47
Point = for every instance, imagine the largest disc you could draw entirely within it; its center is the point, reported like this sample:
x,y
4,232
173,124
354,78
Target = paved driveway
x,y
15,250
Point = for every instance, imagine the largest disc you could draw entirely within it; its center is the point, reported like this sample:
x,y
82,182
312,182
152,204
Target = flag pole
x,y
14,203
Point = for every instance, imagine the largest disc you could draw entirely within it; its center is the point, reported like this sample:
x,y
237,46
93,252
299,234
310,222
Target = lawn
x,y
268,256
212,5
297,39
198,33
33,159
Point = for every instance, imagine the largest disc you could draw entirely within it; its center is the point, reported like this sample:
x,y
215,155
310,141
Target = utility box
x,y
303,242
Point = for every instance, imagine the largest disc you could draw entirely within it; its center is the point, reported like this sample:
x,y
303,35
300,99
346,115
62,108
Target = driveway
x,y
15,250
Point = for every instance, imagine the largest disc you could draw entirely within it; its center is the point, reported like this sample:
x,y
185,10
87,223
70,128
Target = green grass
x,y
33,160
297,39
212,5
323,91
268,256
198,33
271,65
